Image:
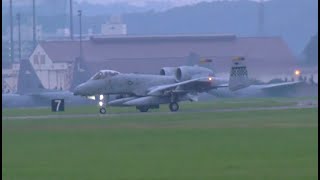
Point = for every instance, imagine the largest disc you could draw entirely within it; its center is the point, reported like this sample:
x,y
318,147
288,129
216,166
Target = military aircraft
x,y
174,84
31,93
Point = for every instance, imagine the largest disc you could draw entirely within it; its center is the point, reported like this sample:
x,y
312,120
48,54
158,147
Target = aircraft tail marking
x,y
238,75
28,80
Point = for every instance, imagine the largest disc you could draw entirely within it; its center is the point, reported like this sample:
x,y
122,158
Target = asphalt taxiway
x,y
66,116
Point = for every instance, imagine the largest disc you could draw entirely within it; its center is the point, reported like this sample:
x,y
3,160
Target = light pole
x,y
71,21
19,35
79,14
11,34
34,23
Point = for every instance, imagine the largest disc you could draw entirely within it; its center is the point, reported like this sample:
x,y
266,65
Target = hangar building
x,y
266,57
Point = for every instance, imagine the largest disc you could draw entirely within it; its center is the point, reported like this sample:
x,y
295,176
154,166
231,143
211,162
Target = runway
x,y
69,116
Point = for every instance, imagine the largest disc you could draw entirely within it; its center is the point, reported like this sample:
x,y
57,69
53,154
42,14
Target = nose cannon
x,y
90,88
79,90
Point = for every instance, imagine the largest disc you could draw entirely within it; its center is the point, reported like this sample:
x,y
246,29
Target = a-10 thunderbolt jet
x,y
174,84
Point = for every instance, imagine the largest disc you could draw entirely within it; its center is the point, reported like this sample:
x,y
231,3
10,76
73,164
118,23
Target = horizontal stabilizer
x,y
279,85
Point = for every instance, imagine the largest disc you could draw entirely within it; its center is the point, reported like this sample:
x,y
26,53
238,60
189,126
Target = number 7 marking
x,y
58,105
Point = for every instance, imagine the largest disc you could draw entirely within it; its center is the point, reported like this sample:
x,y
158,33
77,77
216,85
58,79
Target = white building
x,y
114,27
63,32
53,74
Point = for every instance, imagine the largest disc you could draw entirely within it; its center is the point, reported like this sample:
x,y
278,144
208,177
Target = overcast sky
x,y
143,2
139,3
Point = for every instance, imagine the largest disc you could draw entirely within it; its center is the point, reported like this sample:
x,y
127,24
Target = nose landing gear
x,y
103,102
102,110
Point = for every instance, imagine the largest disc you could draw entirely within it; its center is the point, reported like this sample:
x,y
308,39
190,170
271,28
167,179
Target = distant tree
x,y
255,82
311,79
311,51
276,80
292,79
193,59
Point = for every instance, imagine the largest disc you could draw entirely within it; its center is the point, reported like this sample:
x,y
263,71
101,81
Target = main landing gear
x,y
143,108
174,107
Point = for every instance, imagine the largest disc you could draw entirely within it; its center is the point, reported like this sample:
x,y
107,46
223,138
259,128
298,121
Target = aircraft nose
x,y
78,90
89,88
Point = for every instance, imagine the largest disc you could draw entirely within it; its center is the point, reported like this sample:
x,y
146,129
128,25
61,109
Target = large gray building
x,y
266,57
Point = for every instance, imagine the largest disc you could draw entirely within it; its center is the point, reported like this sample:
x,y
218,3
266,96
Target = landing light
x,y
297,72
210,78
101,97
100,103
91,97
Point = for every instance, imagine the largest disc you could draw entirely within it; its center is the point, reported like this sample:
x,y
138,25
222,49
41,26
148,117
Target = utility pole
x,y
11,34
19,35
71,21
34,23
79,14
261,18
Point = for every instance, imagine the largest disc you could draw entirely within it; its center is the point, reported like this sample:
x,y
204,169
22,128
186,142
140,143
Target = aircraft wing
x,y
49,94
158,90
278,85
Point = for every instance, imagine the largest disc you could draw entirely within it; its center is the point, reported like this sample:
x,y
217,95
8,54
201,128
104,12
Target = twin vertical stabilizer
x,y
28,80
238,74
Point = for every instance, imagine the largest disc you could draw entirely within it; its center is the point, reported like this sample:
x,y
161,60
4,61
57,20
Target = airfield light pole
x,y
19,35
80,37
11,34
71,21
34,23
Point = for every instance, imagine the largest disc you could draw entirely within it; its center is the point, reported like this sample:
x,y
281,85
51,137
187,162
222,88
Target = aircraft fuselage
x,y
136,84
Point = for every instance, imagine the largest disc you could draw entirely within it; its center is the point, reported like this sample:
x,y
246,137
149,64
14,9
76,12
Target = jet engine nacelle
x,y
184,73
168,71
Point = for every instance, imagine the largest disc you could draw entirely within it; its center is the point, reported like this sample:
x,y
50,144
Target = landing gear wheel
x,y
143,108
174,107
102,110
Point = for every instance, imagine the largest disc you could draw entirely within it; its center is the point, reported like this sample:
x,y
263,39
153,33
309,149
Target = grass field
x,y
274,144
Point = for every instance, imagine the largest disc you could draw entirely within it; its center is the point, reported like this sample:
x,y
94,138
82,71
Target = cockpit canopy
x,y
104,74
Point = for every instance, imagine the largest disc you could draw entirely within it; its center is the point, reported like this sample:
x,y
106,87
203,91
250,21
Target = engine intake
x,y
168,71
184,73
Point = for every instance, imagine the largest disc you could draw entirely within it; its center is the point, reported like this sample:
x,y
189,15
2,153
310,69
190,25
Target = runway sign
x,y
57,105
